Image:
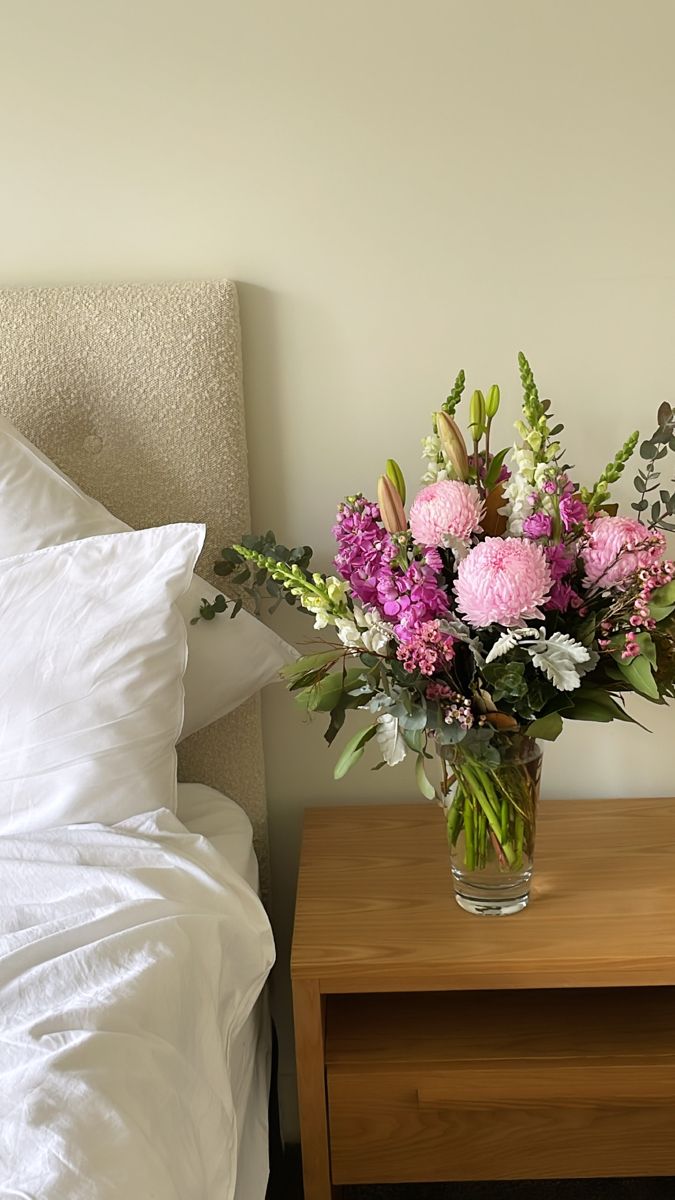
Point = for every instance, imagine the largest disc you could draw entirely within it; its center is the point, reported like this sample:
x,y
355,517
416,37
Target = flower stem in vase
x,y
491,828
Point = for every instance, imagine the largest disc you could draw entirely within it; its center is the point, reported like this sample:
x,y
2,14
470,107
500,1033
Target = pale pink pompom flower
x,y
616,548
502,581
445,512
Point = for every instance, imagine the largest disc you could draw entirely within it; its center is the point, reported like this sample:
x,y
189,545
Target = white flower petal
x,y
389,740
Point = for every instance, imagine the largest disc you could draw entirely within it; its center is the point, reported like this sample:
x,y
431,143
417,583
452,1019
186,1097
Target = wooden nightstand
x,y
432,1044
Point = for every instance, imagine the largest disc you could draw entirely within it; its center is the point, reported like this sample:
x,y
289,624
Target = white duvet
x,y
130,957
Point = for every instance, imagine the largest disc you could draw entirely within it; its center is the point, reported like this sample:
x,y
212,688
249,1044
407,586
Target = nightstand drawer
x,y
501,1085
508,1123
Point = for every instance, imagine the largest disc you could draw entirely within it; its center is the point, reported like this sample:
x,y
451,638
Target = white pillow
x,y
93,651
228,659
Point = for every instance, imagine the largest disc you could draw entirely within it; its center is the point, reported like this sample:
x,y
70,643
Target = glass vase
x,y
491,815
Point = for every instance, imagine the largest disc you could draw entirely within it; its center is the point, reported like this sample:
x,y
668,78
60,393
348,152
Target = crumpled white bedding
x,y
121,993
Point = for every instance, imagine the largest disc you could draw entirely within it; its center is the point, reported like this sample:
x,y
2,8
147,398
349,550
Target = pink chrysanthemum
x,y
502,581
616,548
445,511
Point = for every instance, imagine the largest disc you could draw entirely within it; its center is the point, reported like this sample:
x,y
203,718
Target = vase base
x,y
491,892
494,907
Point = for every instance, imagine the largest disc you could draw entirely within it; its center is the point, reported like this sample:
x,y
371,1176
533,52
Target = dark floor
x,y
289,1187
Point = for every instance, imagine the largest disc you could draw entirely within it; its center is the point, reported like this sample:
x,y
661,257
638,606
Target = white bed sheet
x,y
131,960
209,813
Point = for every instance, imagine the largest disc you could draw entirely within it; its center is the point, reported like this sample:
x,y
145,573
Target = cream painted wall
x,y
401,188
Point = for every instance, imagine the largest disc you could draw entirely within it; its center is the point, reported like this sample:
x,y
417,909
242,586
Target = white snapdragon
x,y
324,606
436,465
366,632
518,488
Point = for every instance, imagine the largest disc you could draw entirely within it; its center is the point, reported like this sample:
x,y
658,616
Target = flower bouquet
x,y
508,600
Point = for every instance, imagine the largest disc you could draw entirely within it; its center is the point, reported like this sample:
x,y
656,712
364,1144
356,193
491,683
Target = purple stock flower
x,y
364,546
562,597
411,597
572,512
537,525
560,561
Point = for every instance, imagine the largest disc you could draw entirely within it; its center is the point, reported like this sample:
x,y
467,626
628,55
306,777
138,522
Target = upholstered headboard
x,y
135,391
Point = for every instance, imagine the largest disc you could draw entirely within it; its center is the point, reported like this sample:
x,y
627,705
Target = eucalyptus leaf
x,y
413,738
450,735
413,720
353,751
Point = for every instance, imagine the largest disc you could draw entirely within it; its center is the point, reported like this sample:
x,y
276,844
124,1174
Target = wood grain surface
x,y
386,1128
375,910
435,1045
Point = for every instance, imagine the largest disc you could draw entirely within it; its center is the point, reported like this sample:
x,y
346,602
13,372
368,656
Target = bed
x,y
134,945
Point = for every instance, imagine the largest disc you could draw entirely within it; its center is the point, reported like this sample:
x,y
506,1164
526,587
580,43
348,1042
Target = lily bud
x,y
477,415
492,402
453,445
391,508
395,474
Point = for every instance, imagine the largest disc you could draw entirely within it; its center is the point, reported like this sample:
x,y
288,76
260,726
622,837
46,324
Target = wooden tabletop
x,y
375,909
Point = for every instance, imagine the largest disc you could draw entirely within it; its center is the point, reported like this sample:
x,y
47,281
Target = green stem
x,y
520,833
475,783
469,846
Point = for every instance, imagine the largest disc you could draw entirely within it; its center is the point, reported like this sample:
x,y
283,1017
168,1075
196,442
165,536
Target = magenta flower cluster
x,y
561,562
364,547
572,511
406,598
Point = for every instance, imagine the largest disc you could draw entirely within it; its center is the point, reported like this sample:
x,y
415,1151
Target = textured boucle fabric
x,y
135,391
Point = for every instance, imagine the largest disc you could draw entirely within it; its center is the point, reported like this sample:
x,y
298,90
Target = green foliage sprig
x,y
652,450
600,492
455,396
535,429
249,566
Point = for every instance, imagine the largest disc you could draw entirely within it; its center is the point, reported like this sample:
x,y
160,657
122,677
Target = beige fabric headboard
x,y
135,391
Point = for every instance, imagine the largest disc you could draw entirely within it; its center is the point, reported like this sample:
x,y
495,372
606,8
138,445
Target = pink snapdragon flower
x,y
617,547
502,581
445,511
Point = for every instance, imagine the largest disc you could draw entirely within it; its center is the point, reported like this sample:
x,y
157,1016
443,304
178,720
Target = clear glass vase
x,y
491,814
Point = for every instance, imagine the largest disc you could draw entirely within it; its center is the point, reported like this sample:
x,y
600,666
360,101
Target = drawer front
x,y
510,1122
